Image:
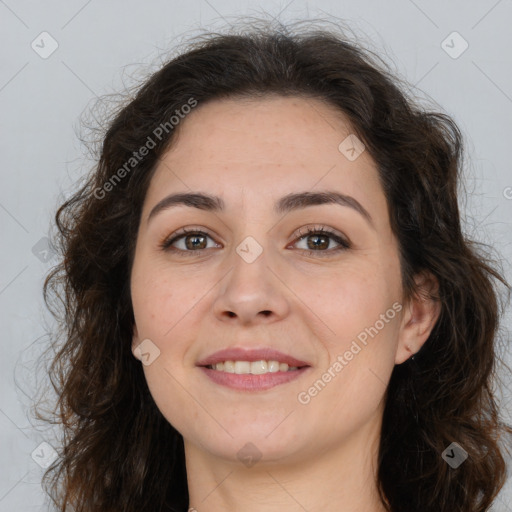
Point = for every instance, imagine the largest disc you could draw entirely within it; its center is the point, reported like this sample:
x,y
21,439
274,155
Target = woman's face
x,y
250,277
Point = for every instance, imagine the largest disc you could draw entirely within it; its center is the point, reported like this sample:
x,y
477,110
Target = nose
x,y
251,293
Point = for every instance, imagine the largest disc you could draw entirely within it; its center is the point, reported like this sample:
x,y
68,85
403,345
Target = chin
x,y
256,451
259,443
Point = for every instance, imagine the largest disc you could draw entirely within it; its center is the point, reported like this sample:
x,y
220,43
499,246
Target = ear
x,y
136,343
419,318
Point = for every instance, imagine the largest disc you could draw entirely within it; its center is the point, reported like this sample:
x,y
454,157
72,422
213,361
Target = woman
x,y
269,300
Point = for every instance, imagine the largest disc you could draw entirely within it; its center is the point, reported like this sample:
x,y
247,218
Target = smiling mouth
x,y
252,367
239,377
253,370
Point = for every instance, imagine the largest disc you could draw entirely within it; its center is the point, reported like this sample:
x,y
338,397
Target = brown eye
x,y
195,242
318,240
187,242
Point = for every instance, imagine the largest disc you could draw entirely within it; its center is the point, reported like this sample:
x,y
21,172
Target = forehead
x,y
264,148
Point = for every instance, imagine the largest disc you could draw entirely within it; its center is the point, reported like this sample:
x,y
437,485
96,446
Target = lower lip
x,y
250,382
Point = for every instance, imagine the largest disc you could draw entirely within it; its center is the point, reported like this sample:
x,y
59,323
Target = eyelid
x,y
309,229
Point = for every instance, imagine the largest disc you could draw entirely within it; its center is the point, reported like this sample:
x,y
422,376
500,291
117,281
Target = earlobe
x,y
420,317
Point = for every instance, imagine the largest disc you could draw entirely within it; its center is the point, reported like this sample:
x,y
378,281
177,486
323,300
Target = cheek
x,y
347,300
360,310
160,300
161,307
151,306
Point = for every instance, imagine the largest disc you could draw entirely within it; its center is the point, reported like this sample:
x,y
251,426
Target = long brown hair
x,y
118,451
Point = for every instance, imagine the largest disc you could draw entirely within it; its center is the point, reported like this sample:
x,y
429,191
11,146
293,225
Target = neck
x,y
341,478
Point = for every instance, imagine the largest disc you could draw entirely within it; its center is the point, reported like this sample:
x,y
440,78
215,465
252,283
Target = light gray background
x,y
41,101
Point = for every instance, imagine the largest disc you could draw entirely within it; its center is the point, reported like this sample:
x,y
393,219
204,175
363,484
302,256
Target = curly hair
x,y
118,451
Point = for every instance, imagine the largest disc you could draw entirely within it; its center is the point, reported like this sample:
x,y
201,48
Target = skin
x,y
317,456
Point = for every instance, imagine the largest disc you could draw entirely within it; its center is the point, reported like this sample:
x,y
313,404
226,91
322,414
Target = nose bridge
x,y
250,290
250,262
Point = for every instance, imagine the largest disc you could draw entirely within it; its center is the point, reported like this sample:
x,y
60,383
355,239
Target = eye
x,y
187,241
318,241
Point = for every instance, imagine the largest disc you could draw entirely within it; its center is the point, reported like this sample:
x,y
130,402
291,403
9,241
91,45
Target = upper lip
x,y
241,354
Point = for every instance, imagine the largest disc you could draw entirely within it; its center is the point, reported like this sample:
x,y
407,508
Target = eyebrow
x,y
290,202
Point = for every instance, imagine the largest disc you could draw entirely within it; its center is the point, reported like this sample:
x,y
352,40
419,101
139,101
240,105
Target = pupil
x,y
323,245
194,244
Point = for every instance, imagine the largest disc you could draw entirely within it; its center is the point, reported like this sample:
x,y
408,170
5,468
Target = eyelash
x,y
166,244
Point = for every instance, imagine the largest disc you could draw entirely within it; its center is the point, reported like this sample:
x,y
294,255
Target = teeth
x,y
229,366
273,366
258,367
254,367
242,367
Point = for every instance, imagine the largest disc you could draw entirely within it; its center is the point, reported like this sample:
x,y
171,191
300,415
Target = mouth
x,y
252,370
